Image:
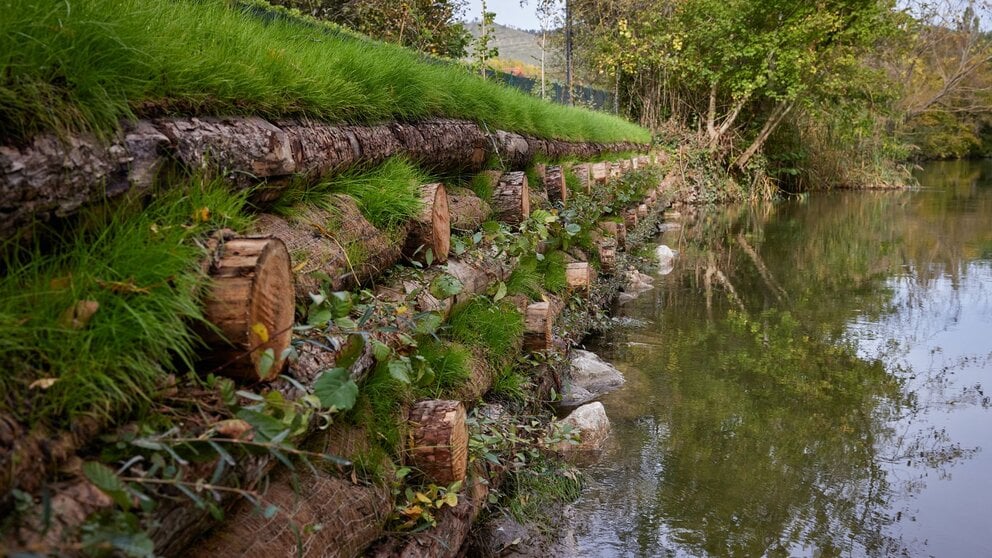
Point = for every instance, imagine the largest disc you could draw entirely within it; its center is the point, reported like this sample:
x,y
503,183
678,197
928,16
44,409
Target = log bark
x,y
336,245
251,303
439,440
643,161
554,185
600,172
51,177
579,276
583,172
468,211
615,230
615,170
635,163
538,322
431,229
511,198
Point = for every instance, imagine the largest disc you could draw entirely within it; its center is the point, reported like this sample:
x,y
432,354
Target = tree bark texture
x,y
600,171
583,172
468,211
579,276
554,185
51,177
511,198
337,244
431,229
538,321
251,303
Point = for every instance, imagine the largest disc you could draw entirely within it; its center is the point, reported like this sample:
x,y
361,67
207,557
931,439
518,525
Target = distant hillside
x,y
517,45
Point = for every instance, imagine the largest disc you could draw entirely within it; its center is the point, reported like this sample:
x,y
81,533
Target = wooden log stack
x,y
468,211
600,172
539,318
579,276
583,171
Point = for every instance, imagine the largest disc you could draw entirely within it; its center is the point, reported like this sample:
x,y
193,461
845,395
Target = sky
x,y
508,12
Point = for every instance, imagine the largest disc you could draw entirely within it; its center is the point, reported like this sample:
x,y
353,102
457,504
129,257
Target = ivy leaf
x,y
446,286
336,389
572,229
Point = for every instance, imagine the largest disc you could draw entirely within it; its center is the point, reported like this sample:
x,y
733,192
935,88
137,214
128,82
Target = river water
x,y
826,395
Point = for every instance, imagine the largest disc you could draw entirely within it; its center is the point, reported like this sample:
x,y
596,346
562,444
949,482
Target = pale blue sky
x,y
508,12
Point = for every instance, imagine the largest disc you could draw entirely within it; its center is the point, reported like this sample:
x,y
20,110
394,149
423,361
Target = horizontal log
x,y
579,276
511,198
554,185
468,211
583,171
51,177
600,172
438,440
429,232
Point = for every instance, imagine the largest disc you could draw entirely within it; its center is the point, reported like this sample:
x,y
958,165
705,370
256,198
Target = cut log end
x,y
630,218
607,257
511,198
538,321
578,276
642,211
251,303
439,440
600,171
583,172
554,185
616,230
431,230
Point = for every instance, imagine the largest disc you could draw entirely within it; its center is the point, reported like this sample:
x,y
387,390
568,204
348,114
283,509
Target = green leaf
x,y
400,369
108,482
265,362
336,389
429,256
500,292
345,323
380,350
446,286
572,229
428,323
340,303
265,426
136,545
319,316
352,350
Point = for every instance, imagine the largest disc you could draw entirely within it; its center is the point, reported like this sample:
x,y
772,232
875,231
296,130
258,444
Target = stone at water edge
x,y
665,227
637,283
594,374
591,424
666,259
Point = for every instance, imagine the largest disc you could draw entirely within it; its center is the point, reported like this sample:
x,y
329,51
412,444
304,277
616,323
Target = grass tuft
x,y
85,66
139,275
495,326
451,363
526,279
552,267
510,385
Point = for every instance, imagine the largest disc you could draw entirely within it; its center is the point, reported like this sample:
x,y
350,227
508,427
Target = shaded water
x,y
836,407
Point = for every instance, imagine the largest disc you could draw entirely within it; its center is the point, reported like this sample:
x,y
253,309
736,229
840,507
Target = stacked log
x,y
511,198
554,185
615,170
318,241
579,276
630,218
429,233
600,172
583,173
439,440
468,211
607,255
538,321
251,304
642,211
615,230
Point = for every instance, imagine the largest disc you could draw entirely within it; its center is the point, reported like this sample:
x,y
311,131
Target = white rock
x,y
593,373
666,259
592,425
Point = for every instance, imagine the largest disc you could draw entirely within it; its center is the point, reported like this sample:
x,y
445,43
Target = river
x,y
836,403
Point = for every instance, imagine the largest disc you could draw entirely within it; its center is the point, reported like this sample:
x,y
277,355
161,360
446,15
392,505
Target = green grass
x,y
142,267
451,363
483,186
510,385
526,279
552,267
76,66
497,327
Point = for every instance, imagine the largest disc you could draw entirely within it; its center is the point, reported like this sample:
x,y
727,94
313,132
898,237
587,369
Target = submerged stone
x,y
592,425
593,374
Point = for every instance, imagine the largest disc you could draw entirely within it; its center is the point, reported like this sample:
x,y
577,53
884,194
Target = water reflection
x,y
811,383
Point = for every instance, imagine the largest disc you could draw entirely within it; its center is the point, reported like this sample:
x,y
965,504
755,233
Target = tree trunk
x,y
554,185
468,211
779,113
430,231
337,244
439,440
579,276
538,322
511,198
251,303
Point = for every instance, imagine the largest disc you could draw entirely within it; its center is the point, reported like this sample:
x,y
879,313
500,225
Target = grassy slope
x,y
70,66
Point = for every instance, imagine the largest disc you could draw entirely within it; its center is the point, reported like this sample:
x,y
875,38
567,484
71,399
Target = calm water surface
x,y
812,379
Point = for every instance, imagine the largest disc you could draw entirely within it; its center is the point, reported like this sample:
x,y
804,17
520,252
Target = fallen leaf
x,y
299,267
59,283
79,314
122,287
261,331
202,215
43,383
236,429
